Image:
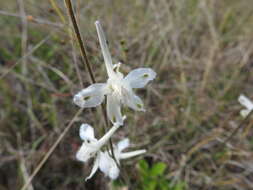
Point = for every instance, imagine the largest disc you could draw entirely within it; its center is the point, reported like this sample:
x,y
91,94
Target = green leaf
x,y
158,169
164,184
150,185
143,165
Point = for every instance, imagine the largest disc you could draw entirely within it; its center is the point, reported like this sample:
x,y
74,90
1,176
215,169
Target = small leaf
x,y
143,165
158,169
150,185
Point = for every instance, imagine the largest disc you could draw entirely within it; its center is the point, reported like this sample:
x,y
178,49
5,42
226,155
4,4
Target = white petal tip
x,y
244,113
123,144
97,22
246,102
79,156
126,155
86,132
142,151
78,101
114,173
241,98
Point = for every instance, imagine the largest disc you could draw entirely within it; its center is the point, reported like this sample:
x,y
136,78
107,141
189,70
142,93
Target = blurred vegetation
x,y
152,178
202,51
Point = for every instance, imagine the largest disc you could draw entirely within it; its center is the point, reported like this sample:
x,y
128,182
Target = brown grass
x,y
202,52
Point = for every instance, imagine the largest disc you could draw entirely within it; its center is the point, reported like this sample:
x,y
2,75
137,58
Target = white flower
x,y
107,164
91,146
247,103
118,89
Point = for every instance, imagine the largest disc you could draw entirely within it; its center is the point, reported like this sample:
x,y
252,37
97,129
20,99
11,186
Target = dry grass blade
x,y
202,53
238,128
27,55
51,150
31,18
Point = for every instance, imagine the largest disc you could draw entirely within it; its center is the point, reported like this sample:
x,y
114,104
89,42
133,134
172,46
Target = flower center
x,y
116,86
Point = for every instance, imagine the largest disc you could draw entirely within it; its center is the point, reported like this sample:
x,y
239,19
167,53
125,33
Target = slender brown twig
x,y
79,39
87,63
26,55
32,19
238,128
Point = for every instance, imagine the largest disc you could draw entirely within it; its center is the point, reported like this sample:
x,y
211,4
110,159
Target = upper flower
x,y
91,146
107,164
247,103
118,89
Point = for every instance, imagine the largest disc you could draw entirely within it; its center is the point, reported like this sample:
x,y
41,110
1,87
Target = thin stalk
x,y
87,63
79,39
58,11
239,127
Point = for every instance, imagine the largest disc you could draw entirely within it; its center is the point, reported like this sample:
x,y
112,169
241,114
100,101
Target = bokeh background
x,y
202,52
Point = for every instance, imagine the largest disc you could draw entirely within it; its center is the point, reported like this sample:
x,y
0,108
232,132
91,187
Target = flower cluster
x,y
119,92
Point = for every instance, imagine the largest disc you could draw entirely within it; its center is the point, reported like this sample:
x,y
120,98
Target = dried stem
x,y
239,127
79,39
87,63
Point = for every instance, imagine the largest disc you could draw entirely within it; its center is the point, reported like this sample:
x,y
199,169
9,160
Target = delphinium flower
x,y
246,102
107,164
91,146
118,89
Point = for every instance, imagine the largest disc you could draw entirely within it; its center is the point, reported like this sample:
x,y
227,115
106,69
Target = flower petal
x,y
245,102
113,108
126,155
244,112
105,49
138,78
91,96
108,166
133,101
94,168
86,132
123,144
104,162
114,172
86,152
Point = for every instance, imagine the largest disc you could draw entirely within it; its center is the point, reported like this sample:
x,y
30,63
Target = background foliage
x,y
202,52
